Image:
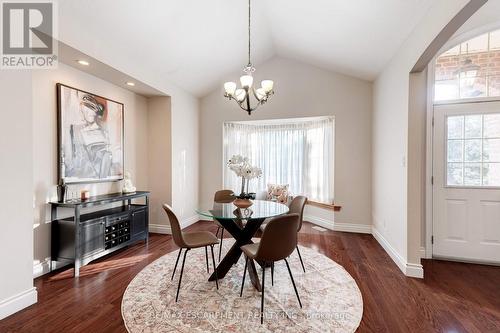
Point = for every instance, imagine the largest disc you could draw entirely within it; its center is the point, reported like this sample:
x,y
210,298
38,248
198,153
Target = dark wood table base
x,y
243,235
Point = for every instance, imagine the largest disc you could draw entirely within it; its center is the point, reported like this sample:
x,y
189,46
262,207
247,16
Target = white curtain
x,y
298,153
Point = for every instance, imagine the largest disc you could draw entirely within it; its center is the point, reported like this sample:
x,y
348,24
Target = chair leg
x,y
244,274
262,296
206,257
217,232
300,257
215,268
272,273
180,277
176,262
220,246
293,282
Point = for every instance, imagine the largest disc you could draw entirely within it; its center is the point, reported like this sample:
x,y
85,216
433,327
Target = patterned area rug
x,y
330,297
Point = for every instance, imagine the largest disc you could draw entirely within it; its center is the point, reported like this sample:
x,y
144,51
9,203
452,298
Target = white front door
x,y
466,190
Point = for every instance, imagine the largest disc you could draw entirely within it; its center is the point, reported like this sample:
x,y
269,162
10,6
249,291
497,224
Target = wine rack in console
x,y
116,232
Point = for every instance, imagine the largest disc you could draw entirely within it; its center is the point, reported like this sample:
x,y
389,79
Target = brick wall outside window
x,y
460,73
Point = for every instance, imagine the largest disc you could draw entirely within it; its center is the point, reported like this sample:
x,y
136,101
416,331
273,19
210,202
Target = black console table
x,y
81,238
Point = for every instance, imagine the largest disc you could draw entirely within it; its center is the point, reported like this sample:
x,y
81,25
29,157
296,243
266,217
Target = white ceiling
x,y
195,43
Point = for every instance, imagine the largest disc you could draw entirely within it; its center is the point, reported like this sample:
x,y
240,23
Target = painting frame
x,y
62,140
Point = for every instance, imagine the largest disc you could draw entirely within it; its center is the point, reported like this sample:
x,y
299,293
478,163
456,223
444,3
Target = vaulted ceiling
x,y
194,43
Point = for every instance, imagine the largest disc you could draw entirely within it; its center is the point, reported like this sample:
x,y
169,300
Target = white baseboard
x,y
353,227
409,269
41,268
335,226
165,229
160,229
319,221
18,302
414,270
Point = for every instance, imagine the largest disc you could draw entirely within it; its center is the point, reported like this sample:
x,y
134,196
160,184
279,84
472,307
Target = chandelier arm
x,y
249,109
255,95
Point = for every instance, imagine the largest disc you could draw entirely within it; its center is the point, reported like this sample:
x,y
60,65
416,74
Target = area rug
x,y
330,297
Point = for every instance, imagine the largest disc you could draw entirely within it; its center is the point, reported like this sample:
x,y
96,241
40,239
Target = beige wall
x,y
16,180
160,157
302,91
185,157
45,144
417,122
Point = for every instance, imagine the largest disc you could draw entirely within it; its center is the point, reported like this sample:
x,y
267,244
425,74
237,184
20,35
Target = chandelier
x,y
243,95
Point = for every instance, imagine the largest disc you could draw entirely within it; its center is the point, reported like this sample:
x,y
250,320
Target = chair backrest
x,y
297,207
174,226
279,239
224,196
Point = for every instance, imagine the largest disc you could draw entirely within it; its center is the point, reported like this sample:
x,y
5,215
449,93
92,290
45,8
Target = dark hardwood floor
x,y
453,297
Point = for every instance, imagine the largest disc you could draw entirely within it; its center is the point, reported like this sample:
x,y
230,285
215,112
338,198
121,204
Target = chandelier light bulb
x,y
246,81
260,93
240,95
230,88
267,85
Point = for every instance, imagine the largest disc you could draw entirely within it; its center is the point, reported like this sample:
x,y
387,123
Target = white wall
x,y
45,145
302,91
16,181
390,142
487,18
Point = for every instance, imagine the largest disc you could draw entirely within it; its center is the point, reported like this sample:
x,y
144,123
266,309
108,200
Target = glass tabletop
x,y
260,209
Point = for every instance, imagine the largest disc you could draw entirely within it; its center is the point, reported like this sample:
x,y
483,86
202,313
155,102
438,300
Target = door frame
x,y
429,164
427,252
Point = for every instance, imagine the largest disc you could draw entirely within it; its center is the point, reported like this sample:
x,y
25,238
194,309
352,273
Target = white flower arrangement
x,y
242,168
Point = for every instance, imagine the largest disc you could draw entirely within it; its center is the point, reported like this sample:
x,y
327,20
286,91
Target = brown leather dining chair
x,y
222,196
188,241
277,243
296,207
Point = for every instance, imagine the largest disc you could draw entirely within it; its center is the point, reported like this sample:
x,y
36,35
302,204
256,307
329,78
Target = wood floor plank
x,y
453,297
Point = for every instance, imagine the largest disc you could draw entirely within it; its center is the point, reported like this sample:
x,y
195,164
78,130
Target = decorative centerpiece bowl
x,y
242,203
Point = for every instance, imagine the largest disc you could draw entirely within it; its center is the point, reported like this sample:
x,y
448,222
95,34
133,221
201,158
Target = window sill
x,y
333,207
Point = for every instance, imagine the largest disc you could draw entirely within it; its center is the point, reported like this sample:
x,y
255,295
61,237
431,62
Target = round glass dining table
x,y
242,224
261,209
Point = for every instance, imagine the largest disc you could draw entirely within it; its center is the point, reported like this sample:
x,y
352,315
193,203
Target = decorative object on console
x,y
90,137
128,187
242,95
277,192
242,168
62,189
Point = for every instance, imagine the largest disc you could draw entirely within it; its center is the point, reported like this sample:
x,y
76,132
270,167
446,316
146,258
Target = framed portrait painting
x,y
90,137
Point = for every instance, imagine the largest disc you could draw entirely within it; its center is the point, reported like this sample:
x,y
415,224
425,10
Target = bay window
x,y
297,152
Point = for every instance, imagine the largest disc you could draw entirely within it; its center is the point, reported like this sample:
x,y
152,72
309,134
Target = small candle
x,y
84,194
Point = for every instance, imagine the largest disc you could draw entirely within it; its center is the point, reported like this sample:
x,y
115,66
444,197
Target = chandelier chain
x,y
249,22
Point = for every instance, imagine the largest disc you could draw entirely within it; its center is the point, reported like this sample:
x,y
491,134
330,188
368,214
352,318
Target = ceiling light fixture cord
x,y
249,61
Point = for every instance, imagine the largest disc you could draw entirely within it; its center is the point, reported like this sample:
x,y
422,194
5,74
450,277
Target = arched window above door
x,y
469,70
